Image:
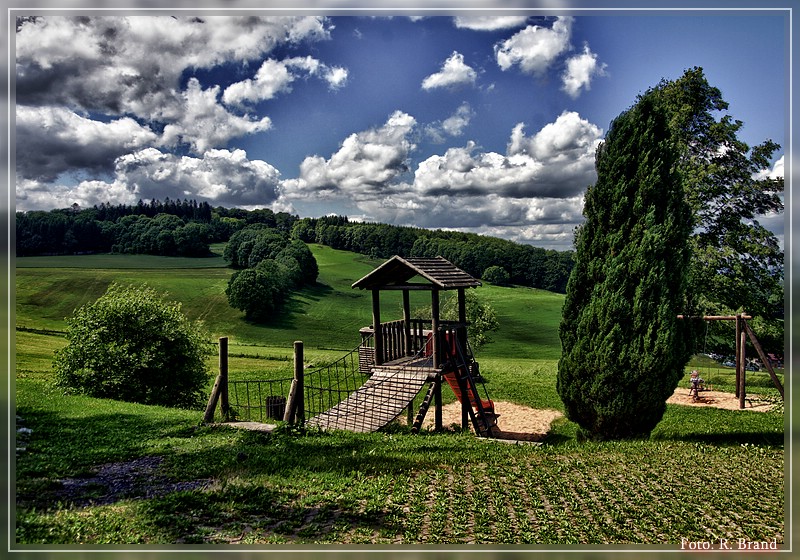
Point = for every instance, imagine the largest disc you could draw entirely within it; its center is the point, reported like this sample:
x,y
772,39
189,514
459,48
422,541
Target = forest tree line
x,y
187,228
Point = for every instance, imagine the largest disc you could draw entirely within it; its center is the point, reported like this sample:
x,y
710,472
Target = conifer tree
x,y
623,348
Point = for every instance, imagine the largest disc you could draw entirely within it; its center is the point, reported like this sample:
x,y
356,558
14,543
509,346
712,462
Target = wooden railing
x,y
400,341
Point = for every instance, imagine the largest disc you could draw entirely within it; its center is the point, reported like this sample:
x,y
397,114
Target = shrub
x,y
131,345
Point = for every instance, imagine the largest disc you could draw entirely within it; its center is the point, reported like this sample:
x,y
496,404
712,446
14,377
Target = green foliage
x,y
737,263
496,275
481,317
526,265
623,347
131,345
259,291
273,265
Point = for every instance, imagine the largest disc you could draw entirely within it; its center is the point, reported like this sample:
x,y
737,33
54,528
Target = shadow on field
x,y
773,439
191,483
297,304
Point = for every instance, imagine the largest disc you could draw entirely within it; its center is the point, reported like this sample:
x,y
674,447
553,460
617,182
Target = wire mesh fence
x,y
259,400
330,384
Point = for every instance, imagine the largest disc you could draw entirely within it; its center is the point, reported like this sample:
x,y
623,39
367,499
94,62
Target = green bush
x,y
131,345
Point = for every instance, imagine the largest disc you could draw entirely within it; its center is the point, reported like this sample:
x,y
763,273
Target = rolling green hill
x,y
519,362
325,316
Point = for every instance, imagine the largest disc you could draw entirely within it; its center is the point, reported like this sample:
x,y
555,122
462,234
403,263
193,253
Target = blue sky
x,y
486,123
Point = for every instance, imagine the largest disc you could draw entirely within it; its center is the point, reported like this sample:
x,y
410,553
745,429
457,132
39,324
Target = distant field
x,y
118,261
325,316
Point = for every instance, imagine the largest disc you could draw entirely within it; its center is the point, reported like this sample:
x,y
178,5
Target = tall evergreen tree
x,y
623,348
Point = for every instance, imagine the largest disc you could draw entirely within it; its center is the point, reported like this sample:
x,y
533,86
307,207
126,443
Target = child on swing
x,y
696,384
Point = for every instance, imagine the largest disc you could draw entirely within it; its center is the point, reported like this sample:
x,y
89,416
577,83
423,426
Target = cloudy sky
x,y
482,121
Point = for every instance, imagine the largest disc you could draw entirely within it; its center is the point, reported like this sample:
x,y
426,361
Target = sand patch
x,y
516,422
718,399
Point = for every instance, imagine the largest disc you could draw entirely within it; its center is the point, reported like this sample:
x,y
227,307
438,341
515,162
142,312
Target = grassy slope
x,y
376,487
527,339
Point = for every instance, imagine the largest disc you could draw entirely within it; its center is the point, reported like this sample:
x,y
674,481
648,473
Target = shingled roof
x,y
397,271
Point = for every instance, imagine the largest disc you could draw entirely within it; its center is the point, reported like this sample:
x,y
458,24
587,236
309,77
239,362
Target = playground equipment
x,y
743,330
372,385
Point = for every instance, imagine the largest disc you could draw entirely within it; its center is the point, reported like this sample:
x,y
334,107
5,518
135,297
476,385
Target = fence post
x,y
225,405
295,404
220,385
300,404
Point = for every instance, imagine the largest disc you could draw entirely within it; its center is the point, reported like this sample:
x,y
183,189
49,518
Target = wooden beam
x,y
436,335
742,361
738,319
763,356
407,322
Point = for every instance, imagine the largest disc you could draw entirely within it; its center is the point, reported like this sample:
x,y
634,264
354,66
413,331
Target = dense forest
x,y
187,228
525,265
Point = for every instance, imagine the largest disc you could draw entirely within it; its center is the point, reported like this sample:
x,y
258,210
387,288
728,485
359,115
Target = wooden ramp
x,y
376,403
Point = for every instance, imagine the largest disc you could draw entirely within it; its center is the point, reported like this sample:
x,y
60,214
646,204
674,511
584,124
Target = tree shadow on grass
x,y
285,318
763,438
194,483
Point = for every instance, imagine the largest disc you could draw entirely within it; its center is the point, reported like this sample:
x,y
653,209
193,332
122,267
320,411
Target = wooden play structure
x,y
401,356
373,384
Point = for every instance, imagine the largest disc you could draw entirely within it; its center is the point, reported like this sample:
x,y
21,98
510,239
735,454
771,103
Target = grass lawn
x,y
102,472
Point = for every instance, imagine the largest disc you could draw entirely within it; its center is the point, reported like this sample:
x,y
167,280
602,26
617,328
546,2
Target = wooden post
x,y
376,326
225,406
461,335
437,397
407,324
742,362
208,417
300,401
219,383
763,356
437,359
288,414
738,365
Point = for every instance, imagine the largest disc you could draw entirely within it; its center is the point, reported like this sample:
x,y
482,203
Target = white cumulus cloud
x,y
53,140
365,163
454,72
274,77
580,71
489,23
203,123
535,48
452,126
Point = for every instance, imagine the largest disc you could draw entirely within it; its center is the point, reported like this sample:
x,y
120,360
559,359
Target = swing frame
x,y
743,330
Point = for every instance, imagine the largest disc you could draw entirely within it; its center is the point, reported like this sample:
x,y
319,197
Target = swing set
x,y
743,330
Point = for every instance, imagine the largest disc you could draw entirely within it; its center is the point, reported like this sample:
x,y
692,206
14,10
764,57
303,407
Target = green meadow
x,y
704,475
